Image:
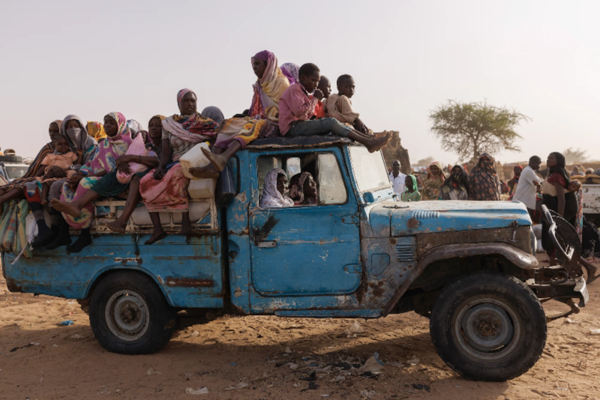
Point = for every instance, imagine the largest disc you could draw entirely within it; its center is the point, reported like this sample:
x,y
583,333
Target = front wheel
x,y
488,326
129,314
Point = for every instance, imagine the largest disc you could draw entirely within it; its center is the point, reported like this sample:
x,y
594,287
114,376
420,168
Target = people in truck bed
x,y
58,234
274,190
433,181
339,106
112,185
118,139
96,130
303,189
165,188
411,191
456,186
16,188
290,70
262,120
63,158
296,110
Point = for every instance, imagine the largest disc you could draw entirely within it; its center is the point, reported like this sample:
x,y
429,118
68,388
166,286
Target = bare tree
x,y
575,155
470,129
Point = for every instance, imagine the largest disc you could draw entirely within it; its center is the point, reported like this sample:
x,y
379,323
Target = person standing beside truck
x,y
411,193
529,182
483,180
397,178
456,186
434,181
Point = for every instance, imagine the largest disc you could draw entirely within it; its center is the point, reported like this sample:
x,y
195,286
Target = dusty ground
x,y
68,363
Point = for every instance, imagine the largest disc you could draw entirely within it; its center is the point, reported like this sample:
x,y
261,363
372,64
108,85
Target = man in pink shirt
x,y
296,113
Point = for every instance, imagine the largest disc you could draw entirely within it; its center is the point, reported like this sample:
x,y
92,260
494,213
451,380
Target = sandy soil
x,y
40,360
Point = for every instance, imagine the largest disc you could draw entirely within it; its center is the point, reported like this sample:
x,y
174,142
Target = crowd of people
x,y
87,161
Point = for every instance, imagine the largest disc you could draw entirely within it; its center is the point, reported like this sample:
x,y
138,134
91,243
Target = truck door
x,y
306,250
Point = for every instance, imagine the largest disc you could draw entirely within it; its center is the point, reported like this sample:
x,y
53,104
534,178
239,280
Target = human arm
x,y
345,111
298,102
165,157
560,195
124,160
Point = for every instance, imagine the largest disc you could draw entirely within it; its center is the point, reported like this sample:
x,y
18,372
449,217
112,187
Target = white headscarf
x,y
271,197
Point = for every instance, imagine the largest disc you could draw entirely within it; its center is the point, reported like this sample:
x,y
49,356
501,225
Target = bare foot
x,y
117,226
209,172
217,160
67,208
592,270
156,237
377,144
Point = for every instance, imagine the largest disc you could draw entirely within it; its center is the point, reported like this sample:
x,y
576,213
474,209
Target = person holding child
x,y
165,187
296,110
339,106
63,158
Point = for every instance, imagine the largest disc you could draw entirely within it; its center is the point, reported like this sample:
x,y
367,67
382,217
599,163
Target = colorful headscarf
x,y
96,130
271,197
432,183
182,93
291,71
297,186
459,184
111,148
83,141
268,89
192,128
483,180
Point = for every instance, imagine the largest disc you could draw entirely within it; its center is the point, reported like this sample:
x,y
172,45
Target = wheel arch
x,y
517,261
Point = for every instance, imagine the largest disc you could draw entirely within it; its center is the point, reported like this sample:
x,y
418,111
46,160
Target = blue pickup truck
x,y
359,253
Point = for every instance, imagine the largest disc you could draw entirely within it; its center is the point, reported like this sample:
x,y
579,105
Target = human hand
x,y
58,172
159,173
124,167
125,158
318,94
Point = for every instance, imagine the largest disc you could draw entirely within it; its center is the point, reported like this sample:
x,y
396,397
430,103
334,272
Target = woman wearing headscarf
x,y
411,192
303,189
433,181
456,186
274,190
165,188
213,113
291,71
16,188
140,157
103,161
483,180
262,121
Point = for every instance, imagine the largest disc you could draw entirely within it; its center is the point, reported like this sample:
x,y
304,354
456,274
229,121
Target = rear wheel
x,y
488,326
129,314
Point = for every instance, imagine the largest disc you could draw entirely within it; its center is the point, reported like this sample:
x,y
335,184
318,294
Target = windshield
x,y
15,172
369,169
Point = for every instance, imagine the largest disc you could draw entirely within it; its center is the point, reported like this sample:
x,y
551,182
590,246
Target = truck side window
x,y
332,189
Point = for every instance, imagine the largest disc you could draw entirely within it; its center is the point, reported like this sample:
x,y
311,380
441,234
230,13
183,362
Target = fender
x,y
516,256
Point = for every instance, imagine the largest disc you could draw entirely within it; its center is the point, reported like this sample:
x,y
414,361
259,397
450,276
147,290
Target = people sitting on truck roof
x,y
339,106
483,180
63,158
325,87
96,130
16,189
118,140
303,189
456,186
290,70
213,113
433,181
296,111
127,175
274,189
262,120
411,191
165,188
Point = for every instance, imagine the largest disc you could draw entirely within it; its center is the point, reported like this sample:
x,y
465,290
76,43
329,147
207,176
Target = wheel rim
x,y
127,315
487,329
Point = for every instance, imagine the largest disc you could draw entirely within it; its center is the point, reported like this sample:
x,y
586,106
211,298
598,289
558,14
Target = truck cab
x,y
359,253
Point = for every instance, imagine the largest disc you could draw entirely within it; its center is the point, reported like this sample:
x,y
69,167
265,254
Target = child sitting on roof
x,y
339,106
62,158
325,87
297,109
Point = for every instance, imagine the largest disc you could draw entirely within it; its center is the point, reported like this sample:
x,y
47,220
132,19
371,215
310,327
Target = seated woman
x,y
165,188
411,192
262,120
456,187
63,158
303,189
118,139
16,188
110,186
274,189
296,110
83,145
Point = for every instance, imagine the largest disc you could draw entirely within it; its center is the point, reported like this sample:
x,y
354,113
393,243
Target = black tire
x,y
488,326
145,322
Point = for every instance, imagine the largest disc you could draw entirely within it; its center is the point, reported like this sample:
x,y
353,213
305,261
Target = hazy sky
x,y
541,58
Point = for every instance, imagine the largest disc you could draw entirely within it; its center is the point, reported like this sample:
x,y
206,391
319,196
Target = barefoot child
x,y
339,106
296,110
62,158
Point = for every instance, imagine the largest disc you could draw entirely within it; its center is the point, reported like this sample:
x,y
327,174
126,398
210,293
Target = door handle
x,y
267,244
